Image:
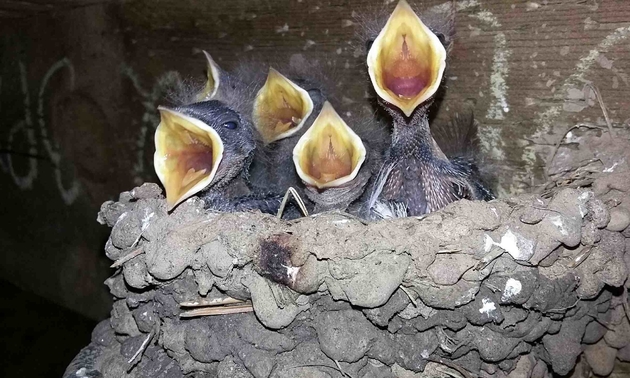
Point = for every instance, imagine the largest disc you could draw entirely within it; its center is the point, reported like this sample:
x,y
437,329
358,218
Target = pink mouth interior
x,y
197,157
406,87
406,77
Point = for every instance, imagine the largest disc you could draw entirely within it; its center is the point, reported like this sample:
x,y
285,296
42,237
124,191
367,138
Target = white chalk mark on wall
x,y
68,195
490,136
498,86
26,126
546,119
486,17
465,4
500,68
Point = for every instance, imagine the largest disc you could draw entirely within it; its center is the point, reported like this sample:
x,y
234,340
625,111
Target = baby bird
x,y
283,110
406,63
204,146
335,159
308,146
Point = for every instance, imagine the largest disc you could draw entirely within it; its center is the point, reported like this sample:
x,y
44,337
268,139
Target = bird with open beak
x,y
308,145
205,144
283,109
406,64
336,159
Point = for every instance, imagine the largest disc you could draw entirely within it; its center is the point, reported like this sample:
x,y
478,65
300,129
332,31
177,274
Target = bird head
x,y
201,145
406,61
328,159
281,107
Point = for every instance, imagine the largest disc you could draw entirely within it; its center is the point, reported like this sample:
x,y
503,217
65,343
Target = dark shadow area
x,y
40,338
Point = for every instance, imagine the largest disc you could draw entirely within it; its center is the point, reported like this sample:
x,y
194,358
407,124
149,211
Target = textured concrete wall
x,y
80,80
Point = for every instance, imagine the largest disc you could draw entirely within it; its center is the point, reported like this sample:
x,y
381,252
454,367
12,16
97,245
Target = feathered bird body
x,y
418,177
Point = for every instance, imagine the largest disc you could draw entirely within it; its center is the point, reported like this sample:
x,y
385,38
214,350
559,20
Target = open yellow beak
x,y
406,61
281,107
213,81
187,155
329,154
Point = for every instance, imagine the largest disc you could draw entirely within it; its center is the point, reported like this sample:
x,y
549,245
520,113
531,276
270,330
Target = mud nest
x,y
520,287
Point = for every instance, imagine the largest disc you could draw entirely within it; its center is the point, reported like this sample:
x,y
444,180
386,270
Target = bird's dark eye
x,y
441,37
368,44
231,125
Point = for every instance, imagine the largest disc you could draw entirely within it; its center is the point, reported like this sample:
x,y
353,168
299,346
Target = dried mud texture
x,y
521,287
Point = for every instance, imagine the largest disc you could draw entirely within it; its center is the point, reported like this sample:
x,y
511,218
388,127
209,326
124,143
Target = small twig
x,y
559,143
492,287
556,310
580,257
211,302
444,251
138,355
211,311
343,373
602,106
127,257
297,198
447,343
451,365
411,298
315,365
489,257
448,371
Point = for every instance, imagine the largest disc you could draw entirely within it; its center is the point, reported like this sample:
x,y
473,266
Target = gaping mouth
x,y
329,154
213,80
281,107
187,155
406,61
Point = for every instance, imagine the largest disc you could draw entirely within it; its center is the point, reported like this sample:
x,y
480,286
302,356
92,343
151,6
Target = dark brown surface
x,y
101,124
39,338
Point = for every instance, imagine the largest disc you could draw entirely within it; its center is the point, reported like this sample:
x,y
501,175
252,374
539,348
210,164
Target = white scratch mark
x,y
292,271
68,195
488,306
496,213
558,221
584,197
26,181
612,168
308,44
487,17
145,221
530,6
519,247
282,29
465,4
498,86
512,287
492,143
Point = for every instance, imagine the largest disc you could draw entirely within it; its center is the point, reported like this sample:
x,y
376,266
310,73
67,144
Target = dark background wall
x,y
80,81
